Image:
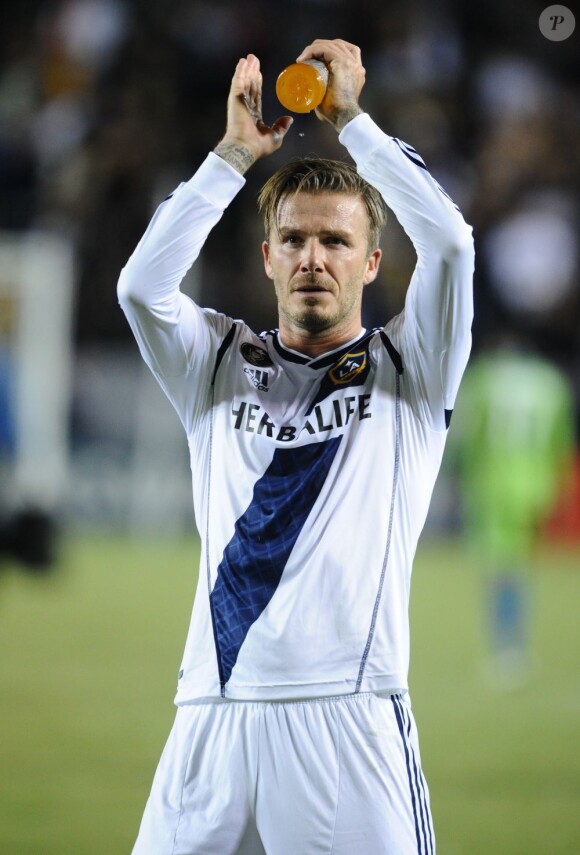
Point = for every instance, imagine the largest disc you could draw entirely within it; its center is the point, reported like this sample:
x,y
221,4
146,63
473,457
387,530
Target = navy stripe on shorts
x,y
417,785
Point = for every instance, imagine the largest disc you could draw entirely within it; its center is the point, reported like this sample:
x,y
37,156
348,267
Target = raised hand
x,y
345,81
247,136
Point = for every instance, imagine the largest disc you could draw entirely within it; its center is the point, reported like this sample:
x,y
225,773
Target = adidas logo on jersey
x,y
258,377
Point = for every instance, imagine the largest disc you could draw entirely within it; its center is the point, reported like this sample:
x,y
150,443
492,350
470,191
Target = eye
x,y
292,239
335,240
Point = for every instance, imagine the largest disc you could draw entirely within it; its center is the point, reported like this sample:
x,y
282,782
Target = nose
x,y
312,258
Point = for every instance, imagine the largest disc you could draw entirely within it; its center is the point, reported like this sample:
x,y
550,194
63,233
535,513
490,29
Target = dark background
x,y
105,106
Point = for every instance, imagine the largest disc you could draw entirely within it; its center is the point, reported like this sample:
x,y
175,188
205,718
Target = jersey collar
x,y
322,361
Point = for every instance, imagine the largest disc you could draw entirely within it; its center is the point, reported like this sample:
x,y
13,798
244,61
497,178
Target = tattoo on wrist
x,y
237,156
345,116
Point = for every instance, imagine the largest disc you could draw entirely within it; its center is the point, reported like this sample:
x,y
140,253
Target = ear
x,y
266,254
373,263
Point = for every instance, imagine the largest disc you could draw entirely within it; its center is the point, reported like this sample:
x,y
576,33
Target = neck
x,y
317,344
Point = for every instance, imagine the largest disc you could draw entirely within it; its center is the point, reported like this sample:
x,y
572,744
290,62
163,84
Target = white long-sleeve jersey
x,y
311,476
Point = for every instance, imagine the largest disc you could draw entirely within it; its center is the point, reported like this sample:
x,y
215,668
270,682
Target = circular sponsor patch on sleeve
x,y
255,355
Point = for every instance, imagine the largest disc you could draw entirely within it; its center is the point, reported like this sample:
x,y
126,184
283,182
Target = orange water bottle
x,y
302,86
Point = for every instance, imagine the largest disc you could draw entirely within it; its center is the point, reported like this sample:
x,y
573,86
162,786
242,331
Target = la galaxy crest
x,y
348,368
352,369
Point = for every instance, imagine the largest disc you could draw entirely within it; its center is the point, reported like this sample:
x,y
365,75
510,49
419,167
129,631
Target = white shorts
x,y
339,776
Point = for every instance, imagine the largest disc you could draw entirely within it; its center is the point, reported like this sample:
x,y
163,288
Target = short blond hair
x,y
316,175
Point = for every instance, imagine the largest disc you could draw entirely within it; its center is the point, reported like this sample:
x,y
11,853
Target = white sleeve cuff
x,y
361,136
216,181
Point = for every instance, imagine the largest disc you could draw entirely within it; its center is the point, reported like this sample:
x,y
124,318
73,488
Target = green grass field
x,y
88,671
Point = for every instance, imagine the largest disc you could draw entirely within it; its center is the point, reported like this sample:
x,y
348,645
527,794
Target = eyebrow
x,y
289,230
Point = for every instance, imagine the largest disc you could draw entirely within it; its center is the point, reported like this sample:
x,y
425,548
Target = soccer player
x,y
516,443
314,450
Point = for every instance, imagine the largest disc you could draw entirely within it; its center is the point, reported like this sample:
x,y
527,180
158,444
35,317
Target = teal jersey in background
x,y
515,434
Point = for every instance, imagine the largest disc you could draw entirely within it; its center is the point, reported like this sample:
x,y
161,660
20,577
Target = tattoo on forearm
x,y
344,117
236,155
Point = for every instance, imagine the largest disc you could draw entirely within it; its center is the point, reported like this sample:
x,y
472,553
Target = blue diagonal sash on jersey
x,y
265,534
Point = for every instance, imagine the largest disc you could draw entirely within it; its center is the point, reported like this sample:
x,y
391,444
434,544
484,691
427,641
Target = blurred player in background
x,y
28,537
516,432
28,531
314,451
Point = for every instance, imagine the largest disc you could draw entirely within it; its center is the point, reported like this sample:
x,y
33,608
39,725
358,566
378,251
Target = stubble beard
x,y
311,319
315,319
311,322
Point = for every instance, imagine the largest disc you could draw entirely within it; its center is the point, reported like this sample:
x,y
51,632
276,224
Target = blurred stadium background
x,y
105,105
